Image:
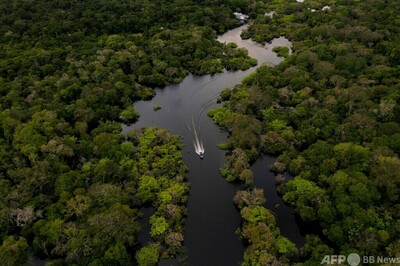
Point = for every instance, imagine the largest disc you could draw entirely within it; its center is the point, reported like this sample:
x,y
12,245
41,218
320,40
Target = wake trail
x,y
199,89
197,143
204,106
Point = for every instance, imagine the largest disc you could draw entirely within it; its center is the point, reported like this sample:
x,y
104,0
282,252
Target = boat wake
x,y
194,126
198,145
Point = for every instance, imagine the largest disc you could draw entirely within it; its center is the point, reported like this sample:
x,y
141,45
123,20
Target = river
x,y
212,220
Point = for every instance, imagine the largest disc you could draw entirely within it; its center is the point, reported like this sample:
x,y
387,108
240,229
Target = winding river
x,y
210,237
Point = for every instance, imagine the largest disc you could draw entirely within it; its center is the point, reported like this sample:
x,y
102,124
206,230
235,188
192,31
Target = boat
x,y
201,154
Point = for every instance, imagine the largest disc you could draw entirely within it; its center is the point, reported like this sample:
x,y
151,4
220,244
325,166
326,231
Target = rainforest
x,y
173,132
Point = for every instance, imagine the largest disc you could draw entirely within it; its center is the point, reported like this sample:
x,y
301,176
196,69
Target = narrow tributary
x,y
210,237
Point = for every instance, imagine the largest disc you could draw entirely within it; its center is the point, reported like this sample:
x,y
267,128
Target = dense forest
x,y
331,113
72,186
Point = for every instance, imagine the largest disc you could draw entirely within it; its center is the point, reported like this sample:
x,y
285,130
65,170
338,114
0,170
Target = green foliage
x,y
77,205
352,155
159,226
220,115
117,255
14,252
254,214
250,198
315,249
329,112
305,195
71,186
238,167
240,63
129,114
285,246
147,255
386,176
281,51
276,125
148,187
264,242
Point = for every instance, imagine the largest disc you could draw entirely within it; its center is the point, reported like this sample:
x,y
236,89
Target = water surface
x,y
210,237
285,217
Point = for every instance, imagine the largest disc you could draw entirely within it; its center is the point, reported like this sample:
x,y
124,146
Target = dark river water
x,y
210,237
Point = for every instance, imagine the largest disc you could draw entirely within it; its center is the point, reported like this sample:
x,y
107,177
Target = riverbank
x,y
212,220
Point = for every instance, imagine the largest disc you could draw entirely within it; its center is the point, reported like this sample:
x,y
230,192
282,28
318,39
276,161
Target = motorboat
x,y
201,154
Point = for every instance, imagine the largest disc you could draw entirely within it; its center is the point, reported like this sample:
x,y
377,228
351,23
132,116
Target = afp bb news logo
x,y
354,259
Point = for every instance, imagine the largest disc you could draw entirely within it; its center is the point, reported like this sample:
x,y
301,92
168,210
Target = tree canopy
x,y
72,186
330,112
